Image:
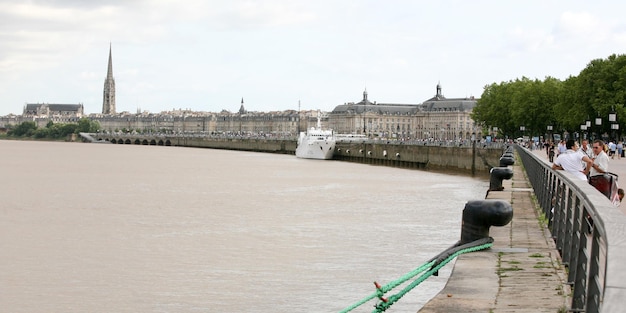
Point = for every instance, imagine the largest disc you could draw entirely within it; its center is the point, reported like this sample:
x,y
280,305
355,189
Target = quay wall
x,y
469,159
242,144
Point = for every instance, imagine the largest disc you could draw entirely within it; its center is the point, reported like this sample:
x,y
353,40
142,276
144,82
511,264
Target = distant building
x,y
437,118
447,118
53,110
108,99
373,119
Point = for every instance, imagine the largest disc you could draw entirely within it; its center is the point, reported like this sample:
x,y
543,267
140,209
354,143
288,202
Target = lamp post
x,y
613,121
615,129
549,129
522,129
599,124
473,153
583,129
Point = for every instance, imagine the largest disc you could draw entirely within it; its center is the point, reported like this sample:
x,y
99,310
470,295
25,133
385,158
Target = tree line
x,y
52,130
531,107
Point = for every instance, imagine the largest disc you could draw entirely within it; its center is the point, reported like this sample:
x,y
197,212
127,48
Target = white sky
x,y
208,55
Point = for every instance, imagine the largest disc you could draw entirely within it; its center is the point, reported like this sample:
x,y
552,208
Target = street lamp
x,y
583,128
522,129
549,128
615,128
614,125
599,124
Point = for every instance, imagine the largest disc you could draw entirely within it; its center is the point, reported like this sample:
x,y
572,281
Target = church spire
x,y
110,69
108,99
242,110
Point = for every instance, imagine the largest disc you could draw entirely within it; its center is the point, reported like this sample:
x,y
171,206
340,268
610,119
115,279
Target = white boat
x,y
316,143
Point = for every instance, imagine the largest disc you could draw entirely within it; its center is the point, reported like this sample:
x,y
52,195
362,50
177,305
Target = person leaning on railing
x,y
600,163
572,161
600,177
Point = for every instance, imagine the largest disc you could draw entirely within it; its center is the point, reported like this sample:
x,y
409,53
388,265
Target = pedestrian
x,y
612,148
551,152
620,149
546,145
561,148
587,149
599,176
600,163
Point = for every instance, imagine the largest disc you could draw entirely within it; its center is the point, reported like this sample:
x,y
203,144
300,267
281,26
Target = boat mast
x,y
299,118
319,119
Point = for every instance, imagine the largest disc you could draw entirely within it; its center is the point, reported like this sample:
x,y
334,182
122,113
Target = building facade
x,y
241,123
437,118
54,111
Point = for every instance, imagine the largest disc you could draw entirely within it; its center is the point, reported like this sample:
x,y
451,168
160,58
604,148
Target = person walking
x,y
572,161
612,148
561,147
620,149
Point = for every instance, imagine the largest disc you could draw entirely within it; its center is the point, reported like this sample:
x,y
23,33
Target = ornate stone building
x,y
437,118
54,111
108,99
446,119
374,119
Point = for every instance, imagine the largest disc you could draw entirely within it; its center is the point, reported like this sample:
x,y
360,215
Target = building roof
x,y
438,103
54,106
380,108
458,104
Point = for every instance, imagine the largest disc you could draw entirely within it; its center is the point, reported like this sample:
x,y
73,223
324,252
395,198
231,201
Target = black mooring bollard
x,y
496,175
506,161
479,215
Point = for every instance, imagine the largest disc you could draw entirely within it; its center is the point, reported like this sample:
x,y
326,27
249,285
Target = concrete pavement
x,y
522,272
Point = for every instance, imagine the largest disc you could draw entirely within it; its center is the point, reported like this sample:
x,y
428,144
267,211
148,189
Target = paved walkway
x,y
522,272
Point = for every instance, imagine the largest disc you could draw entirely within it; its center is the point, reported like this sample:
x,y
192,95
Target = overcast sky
x,y
208,55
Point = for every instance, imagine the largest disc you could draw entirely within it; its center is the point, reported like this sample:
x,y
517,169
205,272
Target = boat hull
x,y
319,149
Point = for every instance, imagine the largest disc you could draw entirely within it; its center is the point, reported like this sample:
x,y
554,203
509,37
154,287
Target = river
x,y
126,228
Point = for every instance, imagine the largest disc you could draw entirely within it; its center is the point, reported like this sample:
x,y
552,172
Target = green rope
x,y
434,267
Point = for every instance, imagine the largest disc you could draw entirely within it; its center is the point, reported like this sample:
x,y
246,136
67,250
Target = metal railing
x,y
589,233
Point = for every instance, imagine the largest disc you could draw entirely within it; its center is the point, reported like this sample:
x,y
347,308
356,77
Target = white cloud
x,y
275,52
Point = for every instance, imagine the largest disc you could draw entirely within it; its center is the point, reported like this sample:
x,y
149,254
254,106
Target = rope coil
x,y
431,267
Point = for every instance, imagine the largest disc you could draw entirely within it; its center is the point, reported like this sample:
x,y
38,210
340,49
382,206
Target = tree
x,y
598,90
86,125
24,129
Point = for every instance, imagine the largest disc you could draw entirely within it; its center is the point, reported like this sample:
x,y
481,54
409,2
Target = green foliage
x,y
53,130
598,90
86,125
26,129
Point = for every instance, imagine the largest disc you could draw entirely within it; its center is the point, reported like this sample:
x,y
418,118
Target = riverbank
x,y
522,272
